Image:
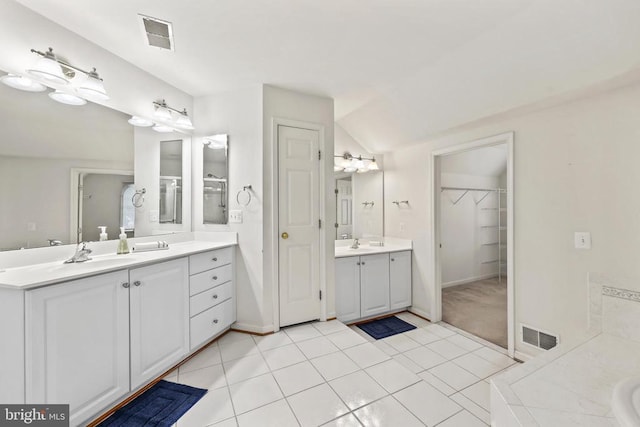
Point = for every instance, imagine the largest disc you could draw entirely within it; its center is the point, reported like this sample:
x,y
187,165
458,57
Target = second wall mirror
x,y
215,177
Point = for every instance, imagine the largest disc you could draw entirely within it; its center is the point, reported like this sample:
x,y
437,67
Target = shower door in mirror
x,y
171,182
215,179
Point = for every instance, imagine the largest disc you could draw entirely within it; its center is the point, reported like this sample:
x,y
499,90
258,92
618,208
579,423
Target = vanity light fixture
x,y
140,121
48,68
162,128
22,83
349,163
66,98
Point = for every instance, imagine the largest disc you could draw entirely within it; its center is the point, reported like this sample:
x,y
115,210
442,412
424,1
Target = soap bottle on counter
x,y
103,233
123,246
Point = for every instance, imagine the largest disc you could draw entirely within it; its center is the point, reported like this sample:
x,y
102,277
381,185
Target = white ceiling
x,y
486,161
399,70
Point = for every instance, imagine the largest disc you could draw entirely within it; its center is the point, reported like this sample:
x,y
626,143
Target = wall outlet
x,y
154,215
582,240
235,216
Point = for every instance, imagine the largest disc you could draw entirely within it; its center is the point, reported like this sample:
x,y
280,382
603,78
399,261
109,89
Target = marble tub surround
x,y
572,384
36,267
390,244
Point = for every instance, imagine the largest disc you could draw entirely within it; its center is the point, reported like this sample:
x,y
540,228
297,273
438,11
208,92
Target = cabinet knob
x,y
392,259
215,277
362,262
215,296
125,285
214,258
137,283
215,320
358,263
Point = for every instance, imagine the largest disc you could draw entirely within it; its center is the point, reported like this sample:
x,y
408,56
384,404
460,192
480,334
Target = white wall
x,y
102,205
368,220
575,170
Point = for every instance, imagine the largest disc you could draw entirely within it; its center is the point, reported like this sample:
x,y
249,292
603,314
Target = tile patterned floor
x,y
328,374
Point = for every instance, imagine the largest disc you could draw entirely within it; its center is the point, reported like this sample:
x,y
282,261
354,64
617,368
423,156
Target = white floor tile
x,y
233,336
492,356
281,357
366,355
346,339
427,403
237,348
330,327
422,336
357,389
173,377
385,347
401,342
407,363
254,392
476,365
462,419
362,333
454,376
268,342
440,331
230,422
209,378
464,342
316,347
214,406
447,349
437,383
478,393
316,406
296,378
302,332
334,365
476,410
413,319
208,357
386,412
276,414
392,375
424,357
241,369
348,420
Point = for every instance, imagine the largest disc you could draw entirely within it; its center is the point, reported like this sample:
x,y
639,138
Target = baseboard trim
x,y
469,280
252,329
523,357
420,313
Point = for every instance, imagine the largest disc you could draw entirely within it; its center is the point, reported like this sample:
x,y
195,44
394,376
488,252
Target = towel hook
x,y
400,202
245,189
138,198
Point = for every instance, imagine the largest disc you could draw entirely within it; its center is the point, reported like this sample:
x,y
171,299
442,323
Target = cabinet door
x,y
374,284
159,318
347,288
400,279
77,344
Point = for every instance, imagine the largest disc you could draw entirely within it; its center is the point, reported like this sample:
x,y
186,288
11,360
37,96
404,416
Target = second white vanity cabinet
x,y
400,279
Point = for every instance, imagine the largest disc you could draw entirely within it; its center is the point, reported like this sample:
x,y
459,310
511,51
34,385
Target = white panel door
x,y
77,344
374,284
159,318
400,279
347,288
299,216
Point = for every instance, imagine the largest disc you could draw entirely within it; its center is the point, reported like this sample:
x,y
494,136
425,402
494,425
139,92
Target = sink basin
x,y
625,401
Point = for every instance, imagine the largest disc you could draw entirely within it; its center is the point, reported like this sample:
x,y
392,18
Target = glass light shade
x,y
350,169
49,70
23,83
337,168
184,122
364,170
162,113
66,98
93,87
373,166
162,128
357,163
140,121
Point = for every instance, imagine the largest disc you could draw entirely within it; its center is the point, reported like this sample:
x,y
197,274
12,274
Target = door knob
x,y
285,235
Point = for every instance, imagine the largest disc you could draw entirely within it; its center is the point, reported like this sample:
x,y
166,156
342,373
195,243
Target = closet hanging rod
x,y
502,190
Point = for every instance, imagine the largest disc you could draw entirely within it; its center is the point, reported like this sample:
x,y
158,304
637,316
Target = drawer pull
x,y
215,320
215,296
362,263
125,285
215,259
392,259
215,277
136,283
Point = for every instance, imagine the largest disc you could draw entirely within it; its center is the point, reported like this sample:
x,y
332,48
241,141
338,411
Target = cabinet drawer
x,y
209,298
207,324
208,260
208,279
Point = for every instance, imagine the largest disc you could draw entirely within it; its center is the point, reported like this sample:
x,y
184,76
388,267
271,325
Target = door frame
x,y
276,122
436,267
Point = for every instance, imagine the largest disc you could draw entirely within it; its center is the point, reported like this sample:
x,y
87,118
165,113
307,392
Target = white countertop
x,y
343,247
36,275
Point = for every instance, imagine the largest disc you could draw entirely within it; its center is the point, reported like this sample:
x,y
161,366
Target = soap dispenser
x,y
103,233
123,246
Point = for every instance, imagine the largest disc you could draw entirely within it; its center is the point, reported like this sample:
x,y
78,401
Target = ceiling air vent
x,y
538,338
157,33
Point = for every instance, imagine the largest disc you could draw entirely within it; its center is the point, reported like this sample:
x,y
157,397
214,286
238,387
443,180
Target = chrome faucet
x,y
356,244
81,255
54,242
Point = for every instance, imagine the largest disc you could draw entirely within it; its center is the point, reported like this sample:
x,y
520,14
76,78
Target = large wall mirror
x,y
65,170
171,182
215,179
359,205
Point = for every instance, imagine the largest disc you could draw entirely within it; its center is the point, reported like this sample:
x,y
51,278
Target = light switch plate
x,y
235,216
153,215
582,240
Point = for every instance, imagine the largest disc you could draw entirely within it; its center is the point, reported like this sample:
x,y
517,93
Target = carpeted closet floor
x,y
479,308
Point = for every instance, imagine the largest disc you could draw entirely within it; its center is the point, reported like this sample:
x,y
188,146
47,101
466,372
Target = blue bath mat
x,y
159,406
386,327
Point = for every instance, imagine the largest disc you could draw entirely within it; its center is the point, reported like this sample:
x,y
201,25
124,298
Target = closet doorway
x,y
473,229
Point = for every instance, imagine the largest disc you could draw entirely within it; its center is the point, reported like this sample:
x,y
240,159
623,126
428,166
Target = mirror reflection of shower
x,y
215,179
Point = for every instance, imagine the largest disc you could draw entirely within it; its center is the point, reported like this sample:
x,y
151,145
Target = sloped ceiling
x,y
399,71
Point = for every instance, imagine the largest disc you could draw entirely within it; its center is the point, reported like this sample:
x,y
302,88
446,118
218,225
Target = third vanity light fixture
x,y
163,118
72,85
348,163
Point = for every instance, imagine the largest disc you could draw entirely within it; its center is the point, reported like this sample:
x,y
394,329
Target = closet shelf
x,y
493,226
489,262
491,244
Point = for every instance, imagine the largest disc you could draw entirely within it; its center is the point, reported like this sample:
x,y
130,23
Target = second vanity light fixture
x,y
72,85
165,118
348,163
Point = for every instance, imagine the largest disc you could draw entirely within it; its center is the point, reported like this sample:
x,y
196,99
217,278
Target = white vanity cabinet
x,y
370,285
159,301
77,343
